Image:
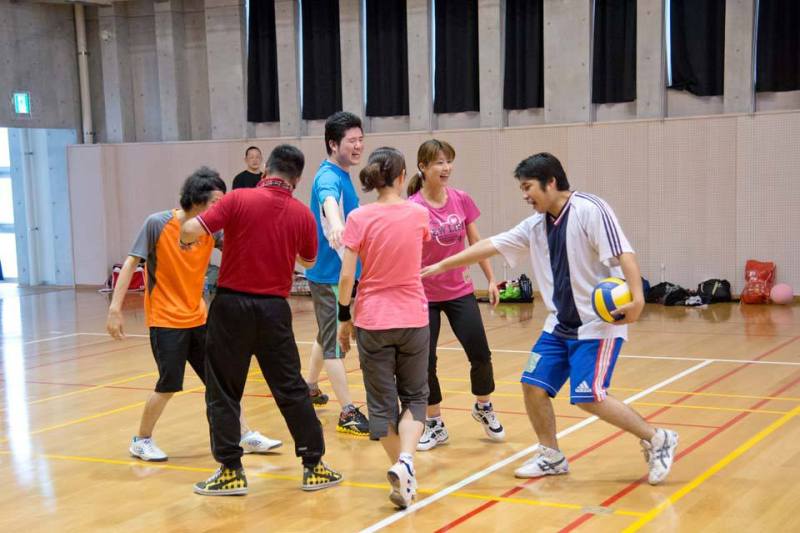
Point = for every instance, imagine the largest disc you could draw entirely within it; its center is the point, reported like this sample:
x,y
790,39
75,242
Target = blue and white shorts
x,y
588,364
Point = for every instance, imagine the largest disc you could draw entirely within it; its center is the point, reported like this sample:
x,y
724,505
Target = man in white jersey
x,y
573,241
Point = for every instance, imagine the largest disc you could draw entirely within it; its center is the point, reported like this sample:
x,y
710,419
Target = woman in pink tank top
x,y
391,314
452,223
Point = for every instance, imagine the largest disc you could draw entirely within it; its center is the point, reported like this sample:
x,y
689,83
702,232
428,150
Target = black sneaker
x,y
224,482
353,422
318,399
319,477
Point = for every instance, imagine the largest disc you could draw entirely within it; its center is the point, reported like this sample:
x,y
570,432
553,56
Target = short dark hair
x,y
252,148
541,167
337,124
286,161
198,187
384,165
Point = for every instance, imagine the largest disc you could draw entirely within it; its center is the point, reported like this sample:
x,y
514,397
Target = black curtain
x,y
614,62
456,80
322,67
524,75
387,58
698,46
262,64
778,46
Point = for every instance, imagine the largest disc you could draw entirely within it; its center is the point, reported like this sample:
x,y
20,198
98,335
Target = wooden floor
x,y
726,378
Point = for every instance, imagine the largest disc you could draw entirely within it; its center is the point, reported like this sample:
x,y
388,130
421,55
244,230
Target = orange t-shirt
x,y
174,277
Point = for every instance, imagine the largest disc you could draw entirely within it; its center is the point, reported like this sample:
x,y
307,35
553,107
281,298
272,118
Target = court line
x,y
91,388
632,486
68,335
345,483
626,356
619,433
96,415
722,463
665,391
527,451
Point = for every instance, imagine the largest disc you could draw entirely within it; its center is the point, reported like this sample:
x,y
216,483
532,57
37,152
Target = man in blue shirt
x,y
333,197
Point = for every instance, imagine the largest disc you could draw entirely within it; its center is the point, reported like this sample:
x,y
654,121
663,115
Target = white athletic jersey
x,y
570,255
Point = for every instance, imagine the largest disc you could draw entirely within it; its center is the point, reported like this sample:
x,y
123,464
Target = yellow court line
x,y
99,415
90,389
722,463
651,404
664,391
345,483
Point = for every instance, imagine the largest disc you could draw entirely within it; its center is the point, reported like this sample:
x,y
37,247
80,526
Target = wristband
x,y
344,313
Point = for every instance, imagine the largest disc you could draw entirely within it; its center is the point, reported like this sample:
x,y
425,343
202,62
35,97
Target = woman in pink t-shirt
x,y
452,218
391,314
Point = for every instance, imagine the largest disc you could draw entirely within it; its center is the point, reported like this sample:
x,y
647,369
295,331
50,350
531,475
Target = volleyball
x,y
609,295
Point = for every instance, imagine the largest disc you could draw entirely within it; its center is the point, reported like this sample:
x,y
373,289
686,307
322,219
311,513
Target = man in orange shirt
x,y
174,306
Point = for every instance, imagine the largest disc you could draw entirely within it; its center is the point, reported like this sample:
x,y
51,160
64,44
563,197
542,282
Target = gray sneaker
x,y
659,454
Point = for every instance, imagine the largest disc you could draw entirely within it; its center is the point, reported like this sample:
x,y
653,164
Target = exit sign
x,y
22,103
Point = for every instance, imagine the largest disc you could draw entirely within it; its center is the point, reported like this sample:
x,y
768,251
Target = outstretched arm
x,y
474,237
482,250
191,230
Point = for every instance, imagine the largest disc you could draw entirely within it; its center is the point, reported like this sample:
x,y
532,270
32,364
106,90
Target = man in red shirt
x,y
266,231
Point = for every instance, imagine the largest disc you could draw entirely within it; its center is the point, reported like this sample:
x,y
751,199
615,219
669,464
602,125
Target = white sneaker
x,y
488,419
545,462
435,433
404,484
255,442
146,449
659,454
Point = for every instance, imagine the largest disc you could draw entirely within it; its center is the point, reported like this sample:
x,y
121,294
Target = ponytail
x,y
415,183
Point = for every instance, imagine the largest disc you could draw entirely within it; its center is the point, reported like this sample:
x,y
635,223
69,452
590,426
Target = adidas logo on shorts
x,y
583,387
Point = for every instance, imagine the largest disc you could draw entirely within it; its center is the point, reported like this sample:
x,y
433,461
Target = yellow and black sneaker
x,y
224,482
319,477
354,422
318,398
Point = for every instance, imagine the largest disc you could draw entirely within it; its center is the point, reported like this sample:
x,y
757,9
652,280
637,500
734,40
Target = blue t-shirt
x,y
330,180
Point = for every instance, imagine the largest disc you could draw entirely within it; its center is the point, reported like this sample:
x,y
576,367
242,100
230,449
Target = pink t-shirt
x,y
388,240
448,236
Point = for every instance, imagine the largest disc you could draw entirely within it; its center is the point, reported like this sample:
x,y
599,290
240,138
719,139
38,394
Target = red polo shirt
x,y
265,230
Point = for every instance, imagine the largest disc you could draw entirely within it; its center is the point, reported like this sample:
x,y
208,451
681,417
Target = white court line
x,y
488,470
527,352
68,335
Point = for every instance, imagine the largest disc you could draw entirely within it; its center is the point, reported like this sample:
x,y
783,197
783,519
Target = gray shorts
x,y
394,363
326,298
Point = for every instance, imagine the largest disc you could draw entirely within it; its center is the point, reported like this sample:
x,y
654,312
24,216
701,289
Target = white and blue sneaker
x,y
545,462
255,442
488,419
145,449
435,433
404,484
659,453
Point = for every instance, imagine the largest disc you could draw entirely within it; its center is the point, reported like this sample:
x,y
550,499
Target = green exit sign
x,y
22,103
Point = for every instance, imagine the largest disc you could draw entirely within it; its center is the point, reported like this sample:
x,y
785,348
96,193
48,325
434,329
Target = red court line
x,y
630,488
463,518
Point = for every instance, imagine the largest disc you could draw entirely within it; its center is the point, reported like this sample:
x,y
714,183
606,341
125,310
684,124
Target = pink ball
x,y
782,294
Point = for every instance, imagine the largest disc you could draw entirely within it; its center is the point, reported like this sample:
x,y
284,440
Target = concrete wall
x,y
176,69
37,55
697,197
